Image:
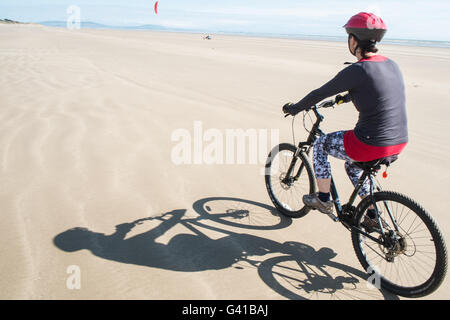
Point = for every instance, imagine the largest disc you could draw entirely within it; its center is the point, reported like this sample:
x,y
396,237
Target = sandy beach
x,y
88,181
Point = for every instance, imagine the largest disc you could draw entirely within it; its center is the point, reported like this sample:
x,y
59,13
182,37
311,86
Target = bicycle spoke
x,y
411,261
290,195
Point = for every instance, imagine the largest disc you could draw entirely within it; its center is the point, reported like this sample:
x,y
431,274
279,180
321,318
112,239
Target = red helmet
x,y
366,26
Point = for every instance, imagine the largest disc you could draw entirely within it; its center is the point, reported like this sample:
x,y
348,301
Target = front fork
x,y
300,149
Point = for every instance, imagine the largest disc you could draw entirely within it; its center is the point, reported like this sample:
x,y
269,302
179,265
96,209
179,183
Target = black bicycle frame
x,y
305,147
339,209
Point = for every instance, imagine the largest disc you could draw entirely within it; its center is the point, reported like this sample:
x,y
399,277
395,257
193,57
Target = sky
x,y
421,20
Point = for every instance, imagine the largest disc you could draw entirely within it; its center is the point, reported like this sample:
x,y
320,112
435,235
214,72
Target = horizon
x,y
342,37
249,17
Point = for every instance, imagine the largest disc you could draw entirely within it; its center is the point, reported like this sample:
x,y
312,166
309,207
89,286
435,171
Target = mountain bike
x,y
405,251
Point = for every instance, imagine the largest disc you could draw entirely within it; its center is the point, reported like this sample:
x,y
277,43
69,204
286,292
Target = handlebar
x,y
316,131
337,100
329,103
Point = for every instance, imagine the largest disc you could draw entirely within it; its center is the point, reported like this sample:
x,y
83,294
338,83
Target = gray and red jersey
x,y
377,90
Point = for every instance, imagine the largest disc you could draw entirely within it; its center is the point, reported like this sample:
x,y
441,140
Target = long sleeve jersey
x,y
377,90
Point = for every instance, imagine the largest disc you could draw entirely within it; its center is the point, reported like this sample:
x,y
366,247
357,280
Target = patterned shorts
x,y
333,144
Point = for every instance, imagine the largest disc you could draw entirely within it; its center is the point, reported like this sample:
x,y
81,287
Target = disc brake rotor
x,y
399,247
284,184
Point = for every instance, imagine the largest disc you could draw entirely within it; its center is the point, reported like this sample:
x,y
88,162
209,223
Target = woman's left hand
x,y
287,108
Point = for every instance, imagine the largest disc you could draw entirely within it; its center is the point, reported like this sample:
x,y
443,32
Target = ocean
x,y
343,38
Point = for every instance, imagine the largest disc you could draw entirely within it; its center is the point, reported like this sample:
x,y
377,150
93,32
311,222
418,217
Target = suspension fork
x,y
302,165
302,148
292,166
305,147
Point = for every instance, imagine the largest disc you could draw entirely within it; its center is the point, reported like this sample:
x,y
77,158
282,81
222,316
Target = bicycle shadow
x,y
196,251
312,274
185,252
242,213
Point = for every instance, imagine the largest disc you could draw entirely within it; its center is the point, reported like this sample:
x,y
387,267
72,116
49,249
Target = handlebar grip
x,y
342,99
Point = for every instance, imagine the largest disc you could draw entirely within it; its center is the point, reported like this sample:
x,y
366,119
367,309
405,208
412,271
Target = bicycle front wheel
x,y
412,262
288,177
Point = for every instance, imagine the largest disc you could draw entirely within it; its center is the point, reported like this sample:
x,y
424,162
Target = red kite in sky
x,y
156,7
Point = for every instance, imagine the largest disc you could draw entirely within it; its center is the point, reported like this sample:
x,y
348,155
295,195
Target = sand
x,y
87,118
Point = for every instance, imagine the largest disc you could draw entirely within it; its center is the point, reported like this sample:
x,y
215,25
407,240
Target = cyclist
x,y
375,86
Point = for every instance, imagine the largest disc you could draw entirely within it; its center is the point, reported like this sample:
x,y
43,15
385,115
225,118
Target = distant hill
x,y
9,21
94,25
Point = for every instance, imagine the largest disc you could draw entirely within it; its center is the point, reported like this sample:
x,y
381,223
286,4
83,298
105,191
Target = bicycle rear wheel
x,y
286,190
414,262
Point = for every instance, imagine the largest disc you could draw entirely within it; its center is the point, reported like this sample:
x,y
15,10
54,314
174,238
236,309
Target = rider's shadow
x,y
198,252
184,252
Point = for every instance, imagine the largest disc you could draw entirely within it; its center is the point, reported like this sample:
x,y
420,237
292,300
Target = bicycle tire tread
x,y
438,275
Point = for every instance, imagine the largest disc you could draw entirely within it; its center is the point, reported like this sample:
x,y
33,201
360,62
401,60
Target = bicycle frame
x,y
342,215
375,239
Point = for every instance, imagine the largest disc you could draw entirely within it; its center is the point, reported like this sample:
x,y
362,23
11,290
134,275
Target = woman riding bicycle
x,y
375,85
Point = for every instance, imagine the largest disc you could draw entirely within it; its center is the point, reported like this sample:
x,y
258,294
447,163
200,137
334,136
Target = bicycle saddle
x,y
376,164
